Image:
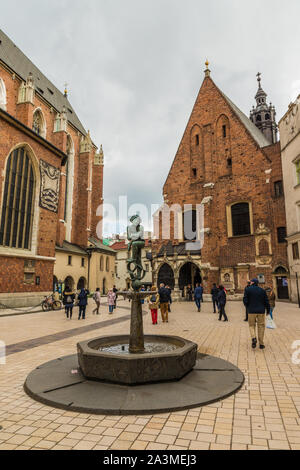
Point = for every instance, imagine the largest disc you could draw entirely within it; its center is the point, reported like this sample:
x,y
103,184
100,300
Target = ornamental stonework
x,y
49,193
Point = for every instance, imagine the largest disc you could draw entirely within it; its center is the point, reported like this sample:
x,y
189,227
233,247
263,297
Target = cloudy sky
x,y
134,68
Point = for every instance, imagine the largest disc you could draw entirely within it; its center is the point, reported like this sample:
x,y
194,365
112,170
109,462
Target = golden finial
x,y
207,71
66,90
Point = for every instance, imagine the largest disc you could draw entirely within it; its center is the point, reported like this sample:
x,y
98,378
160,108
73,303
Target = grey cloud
x,y
134,69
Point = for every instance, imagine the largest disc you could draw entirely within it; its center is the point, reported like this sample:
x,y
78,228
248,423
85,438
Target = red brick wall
x,y
245,180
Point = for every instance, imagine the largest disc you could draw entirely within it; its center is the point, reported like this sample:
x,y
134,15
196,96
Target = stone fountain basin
x,y
136,368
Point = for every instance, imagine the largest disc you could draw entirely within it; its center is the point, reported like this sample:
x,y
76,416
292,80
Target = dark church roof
x,y
179,249
257,135
17,61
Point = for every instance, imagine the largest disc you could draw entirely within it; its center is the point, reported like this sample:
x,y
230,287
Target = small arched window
x,y
38,123
18,201
101,263
240,216
2,95
258,118
107,264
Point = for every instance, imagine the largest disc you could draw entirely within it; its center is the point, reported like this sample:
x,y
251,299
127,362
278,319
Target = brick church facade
x,y
51,180
232,166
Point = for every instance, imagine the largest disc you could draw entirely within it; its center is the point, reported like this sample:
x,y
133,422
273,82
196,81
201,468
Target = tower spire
x,y
263,115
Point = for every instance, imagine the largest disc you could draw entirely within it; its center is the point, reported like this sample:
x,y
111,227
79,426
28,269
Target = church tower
x,y
263,116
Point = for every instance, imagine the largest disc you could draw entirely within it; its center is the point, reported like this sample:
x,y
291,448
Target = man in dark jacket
x,y
256,299
221,303
214,296
164,299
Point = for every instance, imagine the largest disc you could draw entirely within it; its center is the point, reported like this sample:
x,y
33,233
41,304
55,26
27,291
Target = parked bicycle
x,y
51,304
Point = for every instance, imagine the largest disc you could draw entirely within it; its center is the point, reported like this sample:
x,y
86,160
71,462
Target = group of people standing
x,y
161,299
80,300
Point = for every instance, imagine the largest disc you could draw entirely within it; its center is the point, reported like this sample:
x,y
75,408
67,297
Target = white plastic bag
x,y
270,323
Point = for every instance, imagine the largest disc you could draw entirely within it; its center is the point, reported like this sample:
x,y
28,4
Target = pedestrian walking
x,y
221,303
258,303
153,302
111,297
214,296
68,301
97,299
197,296
272,300
164,299
189,292
82,303
246,306
116,292
142,290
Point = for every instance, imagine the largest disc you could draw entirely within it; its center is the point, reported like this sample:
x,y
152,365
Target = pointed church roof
x,y
257,135
17,61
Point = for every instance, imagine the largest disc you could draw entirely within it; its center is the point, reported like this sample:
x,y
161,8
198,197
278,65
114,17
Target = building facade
x,y
289,127
51,181
226,165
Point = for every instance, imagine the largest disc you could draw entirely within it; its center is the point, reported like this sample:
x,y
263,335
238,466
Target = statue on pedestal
x,y
135,235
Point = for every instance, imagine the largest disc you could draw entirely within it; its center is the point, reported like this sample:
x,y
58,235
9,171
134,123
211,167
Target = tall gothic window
x,y
240,216
18,201
69,187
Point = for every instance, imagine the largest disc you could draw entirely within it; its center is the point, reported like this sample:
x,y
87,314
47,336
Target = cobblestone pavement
x,y
264,414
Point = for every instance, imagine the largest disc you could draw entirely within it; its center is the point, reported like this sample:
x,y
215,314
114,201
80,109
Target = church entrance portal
x,y
189,274
166,275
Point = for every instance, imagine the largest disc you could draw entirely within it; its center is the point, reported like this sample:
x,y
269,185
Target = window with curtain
x,y
18,201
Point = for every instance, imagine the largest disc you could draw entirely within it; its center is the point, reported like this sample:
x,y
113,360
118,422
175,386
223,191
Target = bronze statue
x,y
135,235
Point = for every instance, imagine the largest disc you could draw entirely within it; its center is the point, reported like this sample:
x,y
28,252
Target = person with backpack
x,y
82,303
164,299
97,299
153,301
68,301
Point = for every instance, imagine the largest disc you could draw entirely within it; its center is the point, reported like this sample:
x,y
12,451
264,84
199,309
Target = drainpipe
x,y
89,252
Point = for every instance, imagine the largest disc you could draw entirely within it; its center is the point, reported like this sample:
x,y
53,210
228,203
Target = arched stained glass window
x,y
18,201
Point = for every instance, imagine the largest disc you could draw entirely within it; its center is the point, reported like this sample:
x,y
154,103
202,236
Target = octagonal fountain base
x,y
164,358
61,384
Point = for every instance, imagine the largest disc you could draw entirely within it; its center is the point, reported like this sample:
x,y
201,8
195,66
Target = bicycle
x,y
51,304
